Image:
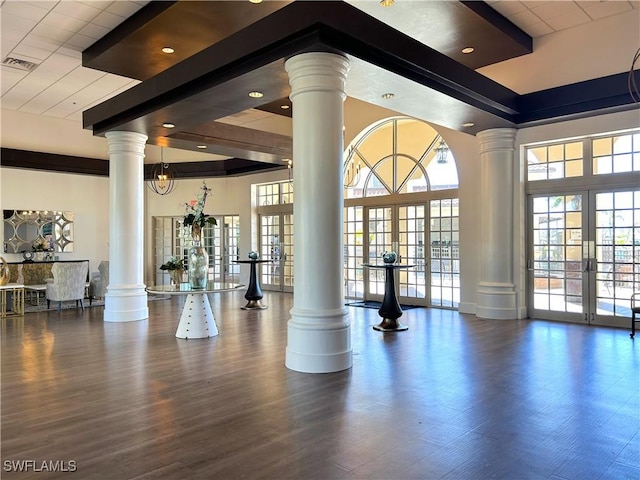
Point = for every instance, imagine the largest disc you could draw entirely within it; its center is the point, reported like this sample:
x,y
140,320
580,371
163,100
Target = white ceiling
x,y
53,34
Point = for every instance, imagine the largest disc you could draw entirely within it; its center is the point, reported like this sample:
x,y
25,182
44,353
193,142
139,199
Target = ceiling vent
x,y
19,63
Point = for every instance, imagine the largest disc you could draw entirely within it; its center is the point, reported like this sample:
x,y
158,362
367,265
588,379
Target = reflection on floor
x,y
453,397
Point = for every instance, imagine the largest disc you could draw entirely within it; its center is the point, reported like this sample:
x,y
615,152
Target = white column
x,y
496,290
319,332
126,298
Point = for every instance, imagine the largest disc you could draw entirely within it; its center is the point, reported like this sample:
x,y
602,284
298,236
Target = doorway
x,y
276,245
584,258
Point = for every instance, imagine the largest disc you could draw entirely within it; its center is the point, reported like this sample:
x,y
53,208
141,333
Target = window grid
x,y
270,249
555,161
353,251
617,250
379,241
445,252
411,223
616,154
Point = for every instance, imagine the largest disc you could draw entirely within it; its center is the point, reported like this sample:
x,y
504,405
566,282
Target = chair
x,y
99,282
635,310
68,283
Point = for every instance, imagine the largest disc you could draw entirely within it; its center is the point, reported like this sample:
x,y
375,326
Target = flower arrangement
x,y
194,213
40,245
174,263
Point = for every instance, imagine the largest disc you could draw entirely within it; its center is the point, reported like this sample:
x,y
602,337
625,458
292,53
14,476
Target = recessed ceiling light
x,y
255,1
387,3
284,107
256,94
468,50
168,50
168,125
468,124
201,146
387,96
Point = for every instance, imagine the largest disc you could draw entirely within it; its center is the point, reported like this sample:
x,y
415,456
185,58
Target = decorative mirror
x,y
48,230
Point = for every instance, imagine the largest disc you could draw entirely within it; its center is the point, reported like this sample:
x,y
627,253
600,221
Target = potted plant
x,y
39,246
175,267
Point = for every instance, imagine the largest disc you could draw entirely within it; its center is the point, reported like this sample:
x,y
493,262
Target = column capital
x,y
317,71
126,142
496,139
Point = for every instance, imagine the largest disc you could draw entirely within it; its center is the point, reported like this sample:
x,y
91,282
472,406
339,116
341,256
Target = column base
x,y
497,301
124,303
318,343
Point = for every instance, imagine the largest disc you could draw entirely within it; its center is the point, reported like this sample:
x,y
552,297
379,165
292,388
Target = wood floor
x,y
453,397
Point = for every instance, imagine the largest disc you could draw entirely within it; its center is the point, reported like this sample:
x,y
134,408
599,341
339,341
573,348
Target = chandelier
x,y
162,179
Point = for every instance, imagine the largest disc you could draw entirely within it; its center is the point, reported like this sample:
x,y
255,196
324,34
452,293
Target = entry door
x,y
276,245
399,228
584,250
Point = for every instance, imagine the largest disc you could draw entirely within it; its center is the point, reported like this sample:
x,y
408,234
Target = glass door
x,y
615,267
230,247
399,228
585,256
276,245
558,259
380,238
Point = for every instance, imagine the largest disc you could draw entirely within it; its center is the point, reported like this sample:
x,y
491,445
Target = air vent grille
x,y
19,63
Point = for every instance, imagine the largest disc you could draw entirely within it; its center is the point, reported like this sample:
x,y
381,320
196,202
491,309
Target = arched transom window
x,y
398,155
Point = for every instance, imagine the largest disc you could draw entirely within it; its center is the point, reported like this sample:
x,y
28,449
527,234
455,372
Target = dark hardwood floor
x,y
454,397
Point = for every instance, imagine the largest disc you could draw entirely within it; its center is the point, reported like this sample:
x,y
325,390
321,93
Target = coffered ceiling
x,y
224,49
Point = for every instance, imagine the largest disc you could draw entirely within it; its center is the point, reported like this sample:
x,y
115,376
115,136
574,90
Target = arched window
x,y
398,155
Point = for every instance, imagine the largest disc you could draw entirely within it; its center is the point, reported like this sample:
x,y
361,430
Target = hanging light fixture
x,y
163,177
442,151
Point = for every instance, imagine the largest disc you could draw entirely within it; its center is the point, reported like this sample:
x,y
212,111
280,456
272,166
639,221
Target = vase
x,y
389,257
198,266
176,276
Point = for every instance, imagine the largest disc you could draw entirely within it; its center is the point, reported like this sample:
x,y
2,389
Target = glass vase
x,y
198,266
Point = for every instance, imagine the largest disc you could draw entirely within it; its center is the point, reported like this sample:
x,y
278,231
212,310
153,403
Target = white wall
x,y
84,195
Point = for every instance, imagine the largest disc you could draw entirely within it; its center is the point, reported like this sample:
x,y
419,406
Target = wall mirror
x,y
51,229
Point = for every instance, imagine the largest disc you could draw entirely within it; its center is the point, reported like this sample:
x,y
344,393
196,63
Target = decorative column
x,y
126,298
319,332
497,290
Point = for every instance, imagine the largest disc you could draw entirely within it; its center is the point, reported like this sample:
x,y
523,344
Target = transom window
x,y
398,155
598,155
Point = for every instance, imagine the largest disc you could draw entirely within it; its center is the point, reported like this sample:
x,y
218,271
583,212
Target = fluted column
x,y
126,298
319,332
497,290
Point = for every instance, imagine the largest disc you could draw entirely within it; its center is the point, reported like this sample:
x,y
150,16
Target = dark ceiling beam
x,y
233,140
54,162
299,27
603,94
219,168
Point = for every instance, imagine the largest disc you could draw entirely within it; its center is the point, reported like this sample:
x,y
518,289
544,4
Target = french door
x,y
400,228
276,245
584,260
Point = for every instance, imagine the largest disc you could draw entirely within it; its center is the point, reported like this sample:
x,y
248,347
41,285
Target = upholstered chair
x,y
100,282
68,283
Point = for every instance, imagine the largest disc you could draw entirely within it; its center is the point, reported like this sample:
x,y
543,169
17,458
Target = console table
x,y
390,309
17,297
196,320
254,291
